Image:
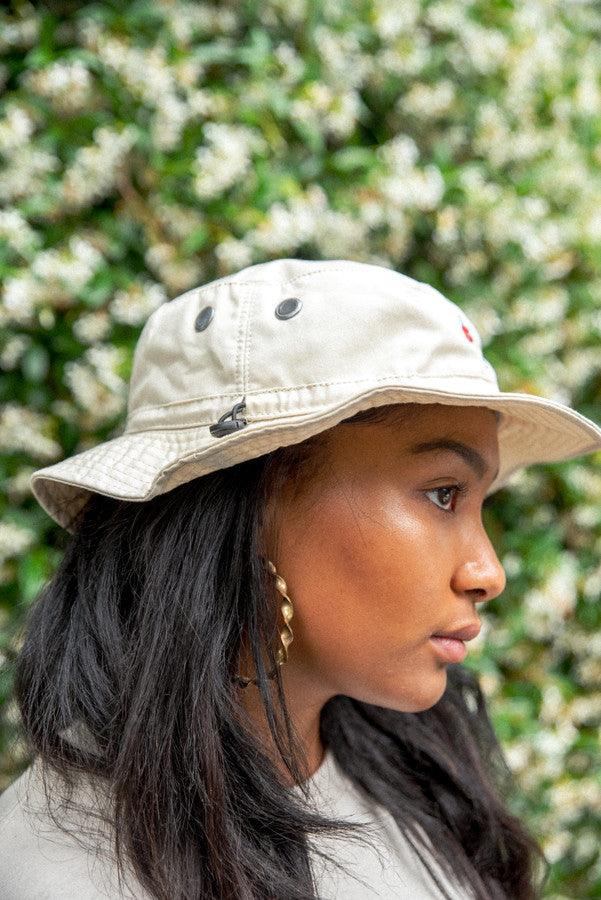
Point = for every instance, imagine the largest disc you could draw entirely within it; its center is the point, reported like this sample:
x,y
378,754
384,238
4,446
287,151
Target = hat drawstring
x,y
222,427
286,635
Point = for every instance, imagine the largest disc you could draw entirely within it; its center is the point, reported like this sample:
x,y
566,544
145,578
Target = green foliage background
x,y
149,147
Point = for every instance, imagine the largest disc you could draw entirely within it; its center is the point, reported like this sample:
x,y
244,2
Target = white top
x,y
39,862
383,865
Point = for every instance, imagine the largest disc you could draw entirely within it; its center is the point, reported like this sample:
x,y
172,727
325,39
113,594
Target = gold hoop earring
x,y
286,634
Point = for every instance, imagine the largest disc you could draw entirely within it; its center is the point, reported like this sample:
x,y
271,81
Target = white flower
x,y
428,101
96,385
105,358
408,54
233,254
134,304
67,84
94,170
18,486
592,584
24,430
338,235
18,232
55,276
512,562
14,540
542,343
518,755
16,128
399,153
580,363
291,12
552,703
592,225
586,645
555,742
25,175
587,96
465,266
179,220
588,672
540,308
92,326
585,710
446,15
20,296
421,189
490,683
186,20
176,274
546,607
225,159
292,64
391,20
556,845
487,48
341,118
340,52
372,212
287,227
570,799
20,33
168,122
145,71
13,350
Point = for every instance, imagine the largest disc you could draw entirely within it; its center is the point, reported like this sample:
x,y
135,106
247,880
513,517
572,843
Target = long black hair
x,y
135,640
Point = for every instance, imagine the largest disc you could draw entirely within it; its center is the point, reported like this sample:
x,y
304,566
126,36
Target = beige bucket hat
x,y
281,350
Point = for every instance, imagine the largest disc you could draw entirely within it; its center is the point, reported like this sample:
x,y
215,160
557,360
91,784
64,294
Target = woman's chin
x,y
424,695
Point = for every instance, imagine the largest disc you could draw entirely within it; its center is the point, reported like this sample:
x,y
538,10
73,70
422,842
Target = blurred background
x,y
149,147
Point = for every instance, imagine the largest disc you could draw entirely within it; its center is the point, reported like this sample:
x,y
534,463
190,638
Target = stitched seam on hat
x,y
241,342
515,420
247,337
408,282
215,287
295,387
317,272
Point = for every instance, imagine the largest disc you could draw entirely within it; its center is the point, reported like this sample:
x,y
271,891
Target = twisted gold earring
x,y
286,634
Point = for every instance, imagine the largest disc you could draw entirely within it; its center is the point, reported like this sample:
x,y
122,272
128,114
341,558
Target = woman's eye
x,y
448,489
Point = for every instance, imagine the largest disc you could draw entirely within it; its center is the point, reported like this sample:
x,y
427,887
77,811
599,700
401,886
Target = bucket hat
x,y
281,350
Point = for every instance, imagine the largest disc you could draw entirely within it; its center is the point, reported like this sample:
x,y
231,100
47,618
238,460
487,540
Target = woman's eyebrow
x,y
471,456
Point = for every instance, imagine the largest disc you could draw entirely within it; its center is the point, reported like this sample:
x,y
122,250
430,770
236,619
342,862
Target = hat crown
x,y
290,333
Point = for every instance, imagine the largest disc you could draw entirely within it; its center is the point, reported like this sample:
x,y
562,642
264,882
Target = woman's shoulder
x,y
38,859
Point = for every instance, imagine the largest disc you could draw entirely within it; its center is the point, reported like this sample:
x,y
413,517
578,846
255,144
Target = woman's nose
x,y
480,576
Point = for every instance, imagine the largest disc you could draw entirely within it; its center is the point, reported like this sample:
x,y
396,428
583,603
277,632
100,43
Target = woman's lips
x,y
450,648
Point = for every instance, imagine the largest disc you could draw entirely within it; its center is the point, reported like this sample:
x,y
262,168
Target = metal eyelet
x,y
204,318
288,308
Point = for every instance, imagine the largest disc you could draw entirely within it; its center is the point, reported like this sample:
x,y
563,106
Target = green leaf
x,y
350,158
196,240
33,570
35,363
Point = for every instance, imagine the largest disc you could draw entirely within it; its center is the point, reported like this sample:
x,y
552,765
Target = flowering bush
x,y
153,146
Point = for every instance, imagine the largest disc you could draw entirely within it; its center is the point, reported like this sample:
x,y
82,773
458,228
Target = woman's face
x,y
377,558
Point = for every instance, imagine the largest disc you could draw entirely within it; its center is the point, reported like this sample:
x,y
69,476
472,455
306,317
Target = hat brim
x,y
140,465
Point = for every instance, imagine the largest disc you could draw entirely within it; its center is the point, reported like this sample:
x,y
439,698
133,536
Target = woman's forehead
x,y
414,418
418,428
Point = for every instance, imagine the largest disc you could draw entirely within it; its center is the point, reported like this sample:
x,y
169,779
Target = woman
x,y
234,671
